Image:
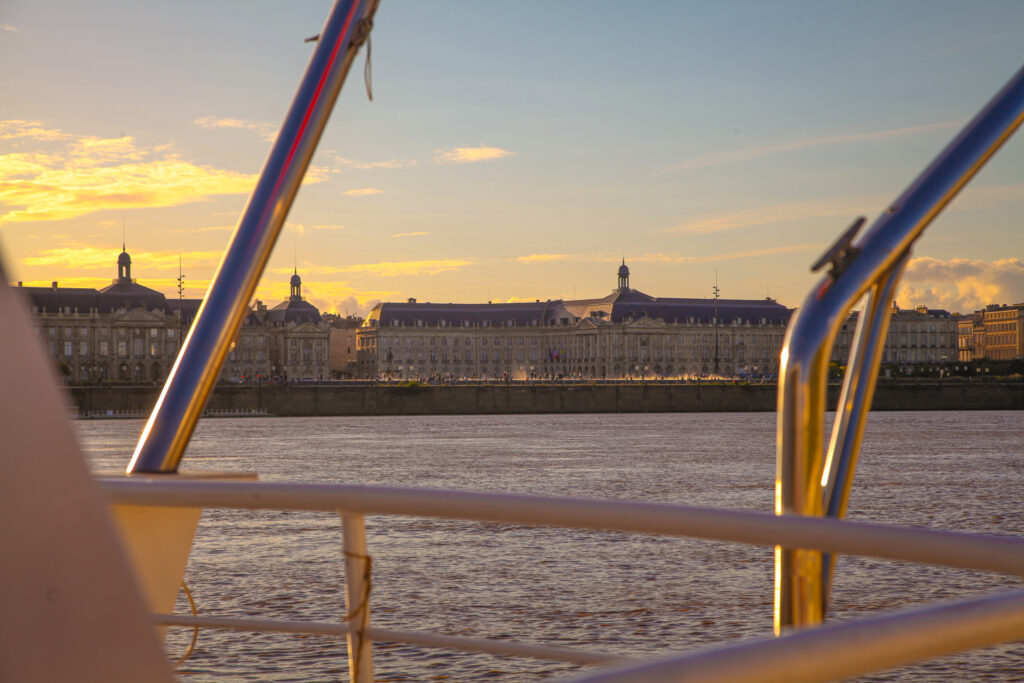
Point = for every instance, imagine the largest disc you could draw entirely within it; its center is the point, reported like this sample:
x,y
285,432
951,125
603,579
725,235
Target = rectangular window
x,y
68,331
68,351
83,348
104,348
83,332
154,349
122,348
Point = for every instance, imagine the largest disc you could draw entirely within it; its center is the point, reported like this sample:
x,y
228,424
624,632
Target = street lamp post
x,y
715,290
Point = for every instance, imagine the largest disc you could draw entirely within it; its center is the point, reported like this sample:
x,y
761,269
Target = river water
x,y
596,591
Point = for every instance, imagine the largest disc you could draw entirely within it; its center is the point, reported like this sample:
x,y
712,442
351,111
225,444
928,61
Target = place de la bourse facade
x,y
627,334
127,332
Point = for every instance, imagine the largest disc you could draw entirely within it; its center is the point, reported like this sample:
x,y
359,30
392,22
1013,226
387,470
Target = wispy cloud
x,y
8,27
961,284
362,192
327,227
419,233
265,129
211,228
542,258
95,174
776,213
667,258
751,153
386,268
94,258
342,162
464,155
35,130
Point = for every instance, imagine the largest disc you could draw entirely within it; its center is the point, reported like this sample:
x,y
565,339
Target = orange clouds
x,y
386,268
962,285
95,174
86,258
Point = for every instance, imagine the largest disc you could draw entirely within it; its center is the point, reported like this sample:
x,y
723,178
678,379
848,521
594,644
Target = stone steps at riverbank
x,y
335,399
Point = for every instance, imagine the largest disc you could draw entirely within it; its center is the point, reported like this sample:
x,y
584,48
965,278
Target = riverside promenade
x,y
330,398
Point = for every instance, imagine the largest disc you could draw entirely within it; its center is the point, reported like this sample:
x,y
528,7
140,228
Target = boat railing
x,y
902,637
812,479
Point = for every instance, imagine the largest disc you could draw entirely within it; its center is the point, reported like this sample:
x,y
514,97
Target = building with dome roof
x,y
626,334
299,339
128,332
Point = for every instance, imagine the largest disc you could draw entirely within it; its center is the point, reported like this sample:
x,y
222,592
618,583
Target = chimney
x,y
412,300
54,285
19,283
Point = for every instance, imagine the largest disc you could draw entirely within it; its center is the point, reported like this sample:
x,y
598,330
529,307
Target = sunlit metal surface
x,y
970,551
853,405
839,652
803,372
191,380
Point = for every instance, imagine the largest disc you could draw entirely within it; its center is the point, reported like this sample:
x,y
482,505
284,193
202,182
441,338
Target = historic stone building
x,y
921,335
342,344
627,334
131,333
994,333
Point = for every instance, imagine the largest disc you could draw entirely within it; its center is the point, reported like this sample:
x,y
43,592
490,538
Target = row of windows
x,y
104,332
590,340
103,348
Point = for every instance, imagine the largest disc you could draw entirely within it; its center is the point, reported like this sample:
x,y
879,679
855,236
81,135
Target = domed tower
x,y
623,277
124,266
296,287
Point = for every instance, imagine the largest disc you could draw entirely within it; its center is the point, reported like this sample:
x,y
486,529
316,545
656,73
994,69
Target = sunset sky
x,y
513,150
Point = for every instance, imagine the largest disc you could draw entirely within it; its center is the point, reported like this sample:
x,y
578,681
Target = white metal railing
x,y
912,636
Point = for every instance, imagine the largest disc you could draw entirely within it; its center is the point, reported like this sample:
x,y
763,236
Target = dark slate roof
x,y
617,307
631,305
107,300
294,311
521,314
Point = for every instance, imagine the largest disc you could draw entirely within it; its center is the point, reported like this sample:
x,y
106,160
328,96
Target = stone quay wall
x,y
332,399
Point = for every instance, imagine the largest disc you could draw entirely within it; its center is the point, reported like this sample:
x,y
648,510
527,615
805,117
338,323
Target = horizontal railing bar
x,y
842,650
968,551
494,647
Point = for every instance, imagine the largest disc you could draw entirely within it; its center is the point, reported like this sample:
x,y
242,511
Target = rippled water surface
x,y
597,591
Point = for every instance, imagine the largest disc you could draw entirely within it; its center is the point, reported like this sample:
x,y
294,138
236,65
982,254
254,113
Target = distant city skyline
x,y
513,151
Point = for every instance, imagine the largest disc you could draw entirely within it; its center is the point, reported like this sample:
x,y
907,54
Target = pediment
x,y
645,323
140,315
306,327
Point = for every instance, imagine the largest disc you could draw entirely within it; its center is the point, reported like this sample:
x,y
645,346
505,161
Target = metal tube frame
x,y
840,651
220,317
853,405
357,597
953,549
803,375
813,655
